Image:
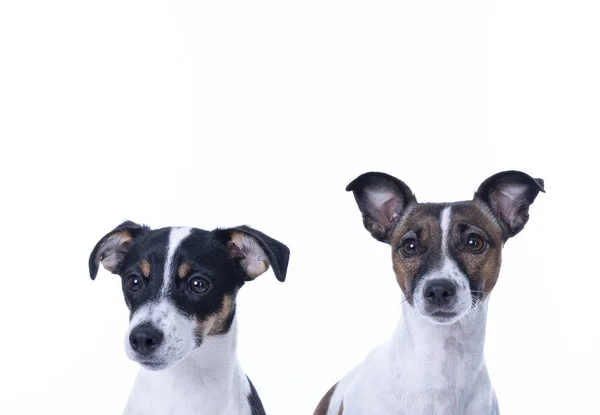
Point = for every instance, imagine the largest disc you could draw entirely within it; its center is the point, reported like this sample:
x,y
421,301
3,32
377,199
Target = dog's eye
x,y
198,285
134,283
475,244
409,247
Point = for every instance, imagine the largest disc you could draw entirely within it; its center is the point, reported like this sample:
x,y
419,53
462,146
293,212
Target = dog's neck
x,y
453,351
217,354
421,333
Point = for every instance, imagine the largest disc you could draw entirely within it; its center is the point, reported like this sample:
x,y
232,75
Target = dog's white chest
x,y
436,384
440,382
158,406
441,373
162,393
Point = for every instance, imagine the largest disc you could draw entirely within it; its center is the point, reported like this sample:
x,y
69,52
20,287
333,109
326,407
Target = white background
x,y
223,113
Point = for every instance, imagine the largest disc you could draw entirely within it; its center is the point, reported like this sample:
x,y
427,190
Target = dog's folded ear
x,y
113,247
509,194
381,198
254,252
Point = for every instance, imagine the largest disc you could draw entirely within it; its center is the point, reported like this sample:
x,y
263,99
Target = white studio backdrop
x,y
224,113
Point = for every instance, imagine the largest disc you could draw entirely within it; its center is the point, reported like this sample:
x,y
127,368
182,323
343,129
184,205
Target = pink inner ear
x,y
235,251
508,198
386,203
252,258
390,209
113,250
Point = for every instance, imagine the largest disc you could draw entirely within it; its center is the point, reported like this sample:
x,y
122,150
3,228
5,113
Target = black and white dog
x,y
180,285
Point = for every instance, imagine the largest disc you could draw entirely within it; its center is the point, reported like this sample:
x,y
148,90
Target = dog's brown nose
x,y
440,292
145,339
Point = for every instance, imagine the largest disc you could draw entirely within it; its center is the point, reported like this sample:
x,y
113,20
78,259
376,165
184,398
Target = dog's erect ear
x,y
381,198
509,195
255,251
112,248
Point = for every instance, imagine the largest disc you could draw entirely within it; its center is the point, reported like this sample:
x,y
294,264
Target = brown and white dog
x,y
446,257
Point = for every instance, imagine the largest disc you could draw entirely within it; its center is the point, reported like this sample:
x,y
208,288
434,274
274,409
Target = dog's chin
x,y
155,366
442,315
163,358
443,318
155,363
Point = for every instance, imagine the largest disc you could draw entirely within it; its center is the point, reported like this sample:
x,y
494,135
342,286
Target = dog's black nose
x,y
145,339
440,292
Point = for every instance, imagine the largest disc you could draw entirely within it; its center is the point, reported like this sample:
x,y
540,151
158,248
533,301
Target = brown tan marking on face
x,y
323,405
145,266
184,270
221,317
204,326
215,323
483,268
422,224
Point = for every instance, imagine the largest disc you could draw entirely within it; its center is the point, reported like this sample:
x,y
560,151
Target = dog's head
x,y
180,284
446,256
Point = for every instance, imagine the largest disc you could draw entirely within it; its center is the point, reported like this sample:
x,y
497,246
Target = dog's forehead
x,y
425,212
199,241
202,248
477,214
420,217
171,247
428,216
156,238
159,240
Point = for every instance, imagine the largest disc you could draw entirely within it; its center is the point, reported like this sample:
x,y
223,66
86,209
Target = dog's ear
x,y
381,198
509,194
254,251
113,247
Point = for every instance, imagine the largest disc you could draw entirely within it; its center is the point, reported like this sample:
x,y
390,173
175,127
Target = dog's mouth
x,y
444,314
153,365
443,317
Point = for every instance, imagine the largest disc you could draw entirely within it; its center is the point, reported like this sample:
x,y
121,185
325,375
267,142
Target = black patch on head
x,y
207,258
206,255
256,406
152,247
